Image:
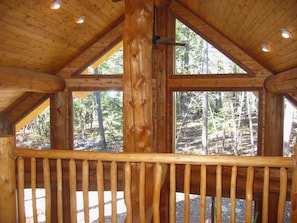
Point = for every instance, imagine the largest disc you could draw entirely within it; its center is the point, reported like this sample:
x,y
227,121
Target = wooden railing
x,y
80,165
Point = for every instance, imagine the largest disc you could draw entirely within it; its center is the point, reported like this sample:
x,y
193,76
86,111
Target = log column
x,y
137,79
273,124
5,127
60,123
137,91
162,67
273,139
61,127
7,181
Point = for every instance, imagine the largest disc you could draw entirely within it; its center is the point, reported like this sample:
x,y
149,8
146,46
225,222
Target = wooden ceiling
x,y
35,37
39,39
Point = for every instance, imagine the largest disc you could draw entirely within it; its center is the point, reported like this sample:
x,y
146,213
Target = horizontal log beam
x,y
93,82
282,83
216,82
31,81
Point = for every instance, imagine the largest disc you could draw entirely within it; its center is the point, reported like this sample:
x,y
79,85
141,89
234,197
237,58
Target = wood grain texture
x,y
31,28
273,133
26,80
24,105
137,80
293,211
285,82
8,207
161,65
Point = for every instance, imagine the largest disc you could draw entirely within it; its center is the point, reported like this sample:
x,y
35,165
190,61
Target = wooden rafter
x,y
94,51
26,104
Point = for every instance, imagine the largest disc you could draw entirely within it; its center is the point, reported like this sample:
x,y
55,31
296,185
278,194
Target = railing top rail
x,y
253,161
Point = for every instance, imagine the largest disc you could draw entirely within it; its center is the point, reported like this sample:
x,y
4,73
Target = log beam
x,y
282,83
31,81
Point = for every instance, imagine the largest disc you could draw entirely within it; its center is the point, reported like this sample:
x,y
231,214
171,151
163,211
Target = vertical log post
x,y
273,139
61,126
273,131
7,181
162,67
137,79
137,91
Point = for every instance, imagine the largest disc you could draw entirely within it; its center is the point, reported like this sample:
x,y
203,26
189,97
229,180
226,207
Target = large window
x,y
98,121
216,122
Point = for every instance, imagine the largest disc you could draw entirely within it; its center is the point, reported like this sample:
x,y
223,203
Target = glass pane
x,y
35,134
112,65
198,56
98,121
290,132
224,123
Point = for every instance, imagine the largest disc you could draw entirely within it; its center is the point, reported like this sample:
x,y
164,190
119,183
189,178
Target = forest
x,y
205,122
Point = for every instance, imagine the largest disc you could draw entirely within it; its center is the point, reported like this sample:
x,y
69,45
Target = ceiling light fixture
x,y
80,20
265,48
56,4
285,33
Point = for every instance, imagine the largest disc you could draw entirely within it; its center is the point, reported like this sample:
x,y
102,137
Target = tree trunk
x,y
250,122
100,121
205,106
235,133
205,123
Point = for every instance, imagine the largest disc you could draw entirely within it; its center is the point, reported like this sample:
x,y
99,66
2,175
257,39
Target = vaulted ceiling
x,y
39,39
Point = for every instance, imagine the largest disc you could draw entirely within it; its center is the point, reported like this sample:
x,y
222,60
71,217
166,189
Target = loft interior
x,y
46,51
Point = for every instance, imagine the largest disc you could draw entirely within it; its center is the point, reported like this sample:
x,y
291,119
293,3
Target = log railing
x,y
81,164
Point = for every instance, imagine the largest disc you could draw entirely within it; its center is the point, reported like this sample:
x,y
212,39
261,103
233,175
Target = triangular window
x,y
200,57
111,63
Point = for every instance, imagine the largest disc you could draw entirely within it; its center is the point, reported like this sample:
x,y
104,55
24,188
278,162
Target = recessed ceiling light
x,y
56,4
265,48
285,33
80,20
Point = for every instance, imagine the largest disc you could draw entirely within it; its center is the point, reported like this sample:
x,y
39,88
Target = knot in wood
x,y
131,103
143,128
131,129
143,101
